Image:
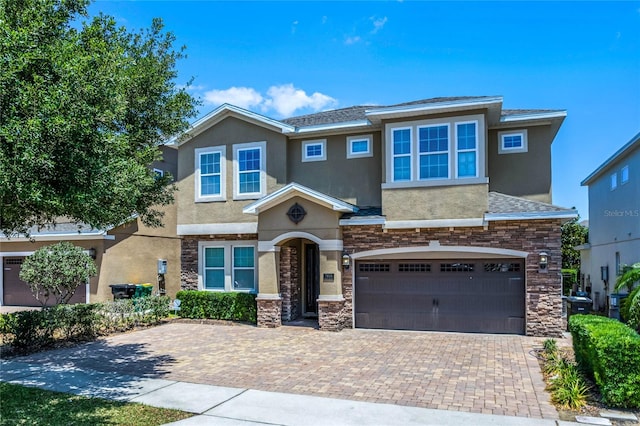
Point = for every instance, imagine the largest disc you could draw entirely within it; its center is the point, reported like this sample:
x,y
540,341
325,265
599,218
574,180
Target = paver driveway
x,y
481,373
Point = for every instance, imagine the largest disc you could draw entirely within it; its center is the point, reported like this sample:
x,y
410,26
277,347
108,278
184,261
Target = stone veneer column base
x,y
331,315
269,312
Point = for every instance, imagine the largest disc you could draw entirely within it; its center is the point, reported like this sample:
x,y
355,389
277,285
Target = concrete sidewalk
x,y
216,405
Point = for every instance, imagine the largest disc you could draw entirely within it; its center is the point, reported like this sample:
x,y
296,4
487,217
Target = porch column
x,y
331,301
269,302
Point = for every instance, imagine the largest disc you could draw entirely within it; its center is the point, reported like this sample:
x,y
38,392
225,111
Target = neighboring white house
x,y
614,221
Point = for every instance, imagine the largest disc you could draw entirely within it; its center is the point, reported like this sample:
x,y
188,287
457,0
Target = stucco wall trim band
x,y
218,228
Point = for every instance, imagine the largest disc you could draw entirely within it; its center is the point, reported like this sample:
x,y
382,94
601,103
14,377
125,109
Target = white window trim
x,y
199,198
624,175
158,172
475,150
412,166
481,153
525,142
262,146
367,153
419,154
322,143
613,181
228,264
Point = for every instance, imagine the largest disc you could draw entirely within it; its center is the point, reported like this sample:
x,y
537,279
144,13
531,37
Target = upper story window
x,y
624,175
249,172
314,150
433,156
434,152
359,146
513,141
467,139
401,154
614,181
210,174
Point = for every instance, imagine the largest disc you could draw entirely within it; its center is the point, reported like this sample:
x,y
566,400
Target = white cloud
x,y
244,97
352,40
286,99
378,23
294,26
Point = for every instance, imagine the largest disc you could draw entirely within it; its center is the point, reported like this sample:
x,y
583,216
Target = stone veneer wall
x,y
189,256
289,283
331,315
543,290
269,312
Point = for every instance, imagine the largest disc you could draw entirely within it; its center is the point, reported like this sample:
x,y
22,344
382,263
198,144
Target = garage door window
x,y
414,267
456,267
502,267
375,267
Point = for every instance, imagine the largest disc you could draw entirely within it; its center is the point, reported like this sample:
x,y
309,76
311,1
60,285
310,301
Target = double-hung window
x,y
249,170
228,266
401,154
436,152
467,148
624,175
433,147
210,174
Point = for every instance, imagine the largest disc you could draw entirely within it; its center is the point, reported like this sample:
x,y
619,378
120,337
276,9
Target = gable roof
x,y
228,110
633,144
367,115
293,189
63,231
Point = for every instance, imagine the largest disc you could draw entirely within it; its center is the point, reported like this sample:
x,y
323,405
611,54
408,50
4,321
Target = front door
x,y
311,278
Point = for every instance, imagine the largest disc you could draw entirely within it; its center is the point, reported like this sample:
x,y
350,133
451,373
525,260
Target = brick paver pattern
x,y
481,373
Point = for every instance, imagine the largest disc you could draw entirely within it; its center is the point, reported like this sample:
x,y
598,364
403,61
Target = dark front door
x,y
468,295
311,278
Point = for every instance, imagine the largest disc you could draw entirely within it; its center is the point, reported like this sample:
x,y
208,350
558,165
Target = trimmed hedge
x,y
223,306
609,352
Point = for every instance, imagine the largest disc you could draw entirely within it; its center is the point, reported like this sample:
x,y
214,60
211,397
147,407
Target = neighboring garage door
x,y
17,293
485,296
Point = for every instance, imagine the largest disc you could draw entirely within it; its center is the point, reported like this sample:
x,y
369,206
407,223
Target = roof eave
x,y
271,200
227,110
560,214
628,147
378,114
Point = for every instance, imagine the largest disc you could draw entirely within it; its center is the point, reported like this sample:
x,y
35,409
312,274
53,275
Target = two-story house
x,y
427,215
614,222
128,253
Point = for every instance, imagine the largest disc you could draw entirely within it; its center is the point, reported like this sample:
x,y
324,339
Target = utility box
x,y
162,266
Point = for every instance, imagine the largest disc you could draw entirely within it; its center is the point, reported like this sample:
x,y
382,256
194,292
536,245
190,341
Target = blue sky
x,y
290,58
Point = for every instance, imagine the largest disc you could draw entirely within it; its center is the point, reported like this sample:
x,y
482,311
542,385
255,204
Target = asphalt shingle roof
x,y
502,203
357,113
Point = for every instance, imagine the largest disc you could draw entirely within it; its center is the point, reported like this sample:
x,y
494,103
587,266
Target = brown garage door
x,y
17,293
486,296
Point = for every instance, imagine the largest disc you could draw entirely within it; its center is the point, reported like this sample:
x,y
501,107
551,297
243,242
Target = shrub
x,y
224,306
35,330
609,352
57,271
630,309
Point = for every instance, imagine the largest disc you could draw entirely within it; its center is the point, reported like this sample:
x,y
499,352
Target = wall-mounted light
x,y
346,260
92,253
544,260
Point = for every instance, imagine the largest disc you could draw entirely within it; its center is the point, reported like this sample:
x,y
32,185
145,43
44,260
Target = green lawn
x,y
20,405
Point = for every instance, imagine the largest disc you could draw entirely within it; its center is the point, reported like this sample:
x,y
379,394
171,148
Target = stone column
x,y
269,302
331,300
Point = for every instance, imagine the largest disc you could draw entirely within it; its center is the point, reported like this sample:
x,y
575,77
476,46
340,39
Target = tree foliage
x,y
630,276
573,234
84,107
57,271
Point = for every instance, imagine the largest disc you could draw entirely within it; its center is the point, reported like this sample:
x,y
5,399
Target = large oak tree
x,y
84,105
